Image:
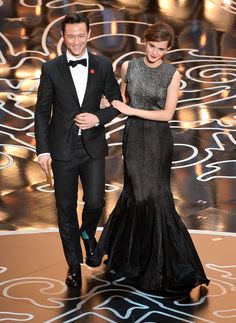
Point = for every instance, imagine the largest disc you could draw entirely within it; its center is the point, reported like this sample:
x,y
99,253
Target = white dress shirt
x,y
79,74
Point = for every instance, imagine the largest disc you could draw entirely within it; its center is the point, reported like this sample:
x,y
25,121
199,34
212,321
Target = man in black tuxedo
x,y
70,136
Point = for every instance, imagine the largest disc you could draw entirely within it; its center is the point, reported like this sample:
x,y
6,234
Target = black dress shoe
x,y
73,278
93,261
90,246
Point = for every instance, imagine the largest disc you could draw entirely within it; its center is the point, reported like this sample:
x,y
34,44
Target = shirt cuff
x,y
43,154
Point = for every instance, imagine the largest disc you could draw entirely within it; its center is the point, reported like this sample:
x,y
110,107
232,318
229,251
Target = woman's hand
x,y
122,107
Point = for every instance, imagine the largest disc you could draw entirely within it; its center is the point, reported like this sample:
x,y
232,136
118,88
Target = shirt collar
x,y
70,57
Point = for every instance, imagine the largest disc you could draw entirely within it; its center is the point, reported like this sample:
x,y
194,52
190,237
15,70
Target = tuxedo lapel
x,y
66,77
91,78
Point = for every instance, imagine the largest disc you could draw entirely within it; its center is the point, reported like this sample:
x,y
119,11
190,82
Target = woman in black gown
x,y
145,239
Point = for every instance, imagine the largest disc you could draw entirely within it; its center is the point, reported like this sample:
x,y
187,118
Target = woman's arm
x,y
123,89
104,101
165,114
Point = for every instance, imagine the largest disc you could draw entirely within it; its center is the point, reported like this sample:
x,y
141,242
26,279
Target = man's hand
x,y
45,161
104,103
86,120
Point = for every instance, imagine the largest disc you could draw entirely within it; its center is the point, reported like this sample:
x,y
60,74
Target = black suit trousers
x,y
66,180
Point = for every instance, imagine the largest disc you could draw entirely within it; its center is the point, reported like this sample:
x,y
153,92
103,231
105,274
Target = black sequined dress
x,y
144,237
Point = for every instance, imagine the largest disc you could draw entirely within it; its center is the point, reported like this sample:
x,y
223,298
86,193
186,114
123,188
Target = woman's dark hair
x,y
74,18
160,31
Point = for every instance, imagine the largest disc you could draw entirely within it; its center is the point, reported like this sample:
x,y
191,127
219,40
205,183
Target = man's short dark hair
x,y
74,18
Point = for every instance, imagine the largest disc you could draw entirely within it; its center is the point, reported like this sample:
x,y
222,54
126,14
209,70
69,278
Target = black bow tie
x,y
79,61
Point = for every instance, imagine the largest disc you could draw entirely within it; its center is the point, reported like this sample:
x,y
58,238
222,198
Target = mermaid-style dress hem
x,y
166,264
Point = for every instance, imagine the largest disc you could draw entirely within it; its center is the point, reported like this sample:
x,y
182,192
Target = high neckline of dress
x,y
153,68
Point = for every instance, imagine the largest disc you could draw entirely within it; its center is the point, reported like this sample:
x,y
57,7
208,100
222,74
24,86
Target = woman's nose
x,y
154,50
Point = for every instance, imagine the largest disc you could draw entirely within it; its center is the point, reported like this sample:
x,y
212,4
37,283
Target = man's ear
x,y
89,32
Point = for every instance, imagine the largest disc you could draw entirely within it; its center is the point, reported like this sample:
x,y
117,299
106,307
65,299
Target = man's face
x,y
75,38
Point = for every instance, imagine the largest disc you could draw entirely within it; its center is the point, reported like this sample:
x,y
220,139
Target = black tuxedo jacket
x,y
58,104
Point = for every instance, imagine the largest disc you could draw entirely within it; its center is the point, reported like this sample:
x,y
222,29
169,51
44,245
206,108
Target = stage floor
x,y
32,266
32,286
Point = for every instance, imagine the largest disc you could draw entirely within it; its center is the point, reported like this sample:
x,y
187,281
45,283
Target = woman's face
x,y
155,50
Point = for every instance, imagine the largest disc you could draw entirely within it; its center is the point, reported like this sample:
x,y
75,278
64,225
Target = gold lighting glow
x,y
114,27
25,100
198,169
37,73
222,19
22,32
181,68
38,10
52,55
175,9
182,2
225,94
5,70
227,3
204,113
203,40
